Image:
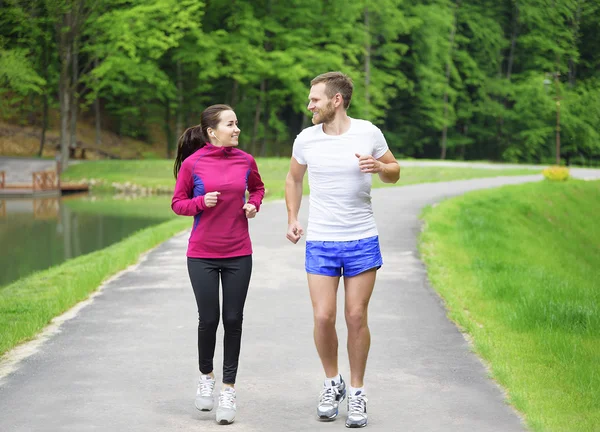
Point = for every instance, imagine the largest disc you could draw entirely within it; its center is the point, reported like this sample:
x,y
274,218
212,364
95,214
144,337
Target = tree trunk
x,y
448,65
513,41
572,64
234,94
167,126
65,85
45,108
74,104
97,115
509,66
305,121
264,146
44,124
367,63
179,120
257,113
463,147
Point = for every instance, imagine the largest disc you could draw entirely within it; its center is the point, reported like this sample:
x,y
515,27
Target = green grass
x,y
158,174
518,268
28,305
153,173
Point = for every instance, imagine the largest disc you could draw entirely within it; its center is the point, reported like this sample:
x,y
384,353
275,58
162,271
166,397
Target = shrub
x,y
556,173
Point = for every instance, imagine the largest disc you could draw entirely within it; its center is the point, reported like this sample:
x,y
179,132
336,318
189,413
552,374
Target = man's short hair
x,y
336,82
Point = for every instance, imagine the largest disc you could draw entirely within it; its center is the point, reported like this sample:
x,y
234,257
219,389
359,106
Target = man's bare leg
x,y
323,294
358,293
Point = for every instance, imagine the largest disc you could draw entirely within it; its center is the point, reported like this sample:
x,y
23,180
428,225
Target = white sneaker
x,y
357,411
204,394
329,400
227,406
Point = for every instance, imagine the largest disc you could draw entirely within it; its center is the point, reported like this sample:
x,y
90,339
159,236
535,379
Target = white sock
x,y
357,390
336,380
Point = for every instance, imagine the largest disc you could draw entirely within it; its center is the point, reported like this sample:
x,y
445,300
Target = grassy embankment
x,y
518,268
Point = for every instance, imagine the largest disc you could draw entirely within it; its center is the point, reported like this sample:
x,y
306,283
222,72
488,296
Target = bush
x,y
556,173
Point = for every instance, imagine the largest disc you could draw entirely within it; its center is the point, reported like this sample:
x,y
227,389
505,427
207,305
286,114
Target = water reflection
x,y
36,234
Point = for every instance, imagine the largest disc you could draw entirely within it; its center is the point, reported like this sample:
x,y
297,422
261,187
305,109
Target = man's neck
x,y
338,126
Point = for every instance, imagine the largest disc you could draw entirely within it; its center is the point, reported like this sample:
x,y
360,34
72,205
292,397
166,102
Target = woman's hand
x,y
250,210
211,198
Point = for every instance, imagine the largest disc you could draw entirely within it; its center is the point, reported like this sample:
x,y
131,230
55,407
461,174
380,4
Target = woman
x,y
212,179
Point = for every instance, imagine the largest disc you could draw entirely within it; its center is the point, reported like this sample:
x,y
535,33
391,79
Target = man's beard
x,y
325,115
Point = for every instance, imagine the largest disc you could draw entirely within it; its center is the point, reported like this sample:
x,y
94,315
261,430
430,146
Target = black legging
x,y
235,278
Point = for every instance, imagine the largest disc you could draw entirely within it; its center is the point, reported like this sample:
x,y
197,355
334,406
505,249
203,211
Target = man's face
x,y
320,105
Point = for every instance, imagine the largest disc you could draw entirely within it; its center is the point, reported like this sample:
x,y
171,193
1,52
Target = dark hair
x,y
336,82
196,137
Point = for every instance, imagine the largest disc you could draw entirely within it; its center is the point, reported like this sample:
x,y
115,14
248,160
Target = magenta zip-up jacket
x,y
220,231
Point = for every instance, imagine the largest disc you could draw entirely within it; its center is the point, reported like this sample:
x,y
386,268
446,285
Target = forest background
x,y
498,80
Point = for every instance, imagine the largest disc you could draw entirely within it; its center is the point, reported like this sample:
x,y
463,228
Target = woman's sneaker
x,y
329,400
204,394
357,410
227,407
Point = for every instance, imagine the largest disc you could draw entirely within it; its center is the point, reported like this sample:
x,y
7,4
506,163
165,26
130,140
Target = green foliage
x,y
473,70
17,74
19,78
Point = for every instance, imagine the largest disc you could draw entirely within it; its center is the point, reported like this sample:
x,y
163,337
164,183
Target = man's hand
x,y
250,210
294,232
211,198
368,164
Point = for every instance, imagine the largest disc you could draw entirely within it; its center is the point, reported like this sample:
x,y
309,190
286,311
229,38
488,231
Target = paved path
x,y
127,360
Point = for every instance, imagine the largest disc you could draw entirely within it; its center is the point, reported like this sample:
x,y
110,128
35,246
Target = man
x,y
342,240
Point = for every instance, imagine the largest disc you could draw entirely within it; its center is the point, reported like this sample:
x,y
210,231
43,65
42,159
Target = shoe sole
x,y
225,422
355,426
203,409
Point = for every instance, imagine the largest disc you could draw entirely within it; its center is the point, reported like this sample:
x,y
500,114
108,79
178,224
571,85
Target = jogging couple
x,y
341,154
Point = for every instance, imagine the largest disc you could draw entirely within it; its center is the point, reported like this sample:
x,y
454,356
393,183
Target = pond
x,y
36,234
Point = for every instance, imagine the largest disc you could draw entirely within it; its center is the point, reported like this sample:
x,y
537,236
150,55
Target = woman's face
x,y
227,132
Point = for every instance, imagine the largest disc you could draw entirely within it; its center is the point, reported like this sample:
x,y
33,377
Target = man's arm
x,y
386,166
293,198
390,168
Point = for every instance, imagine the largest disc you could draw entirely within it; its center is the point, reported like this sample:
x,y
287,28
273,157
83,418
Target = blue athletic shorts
x,y
348,258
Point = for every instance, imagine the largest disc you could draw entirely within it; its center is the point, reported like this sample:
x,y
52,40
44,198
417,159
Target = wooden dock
x,y
43,184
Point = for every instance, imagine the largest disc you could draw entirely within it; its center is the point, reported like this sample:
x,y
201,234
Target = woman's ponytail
x,y
191,140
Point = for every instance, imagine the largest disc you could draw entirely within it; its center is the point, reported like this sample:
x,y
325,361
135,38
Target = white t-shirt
x,y
340,194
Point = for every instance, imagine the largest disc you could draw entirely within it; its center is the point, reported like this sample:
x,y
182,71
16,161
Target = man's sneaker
x,y
357,410
329,400
204,394
227,407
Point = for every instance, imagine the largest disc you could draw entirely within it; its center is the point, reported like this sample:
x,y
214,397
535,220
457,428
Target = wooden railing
x,y
45,180
2,179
